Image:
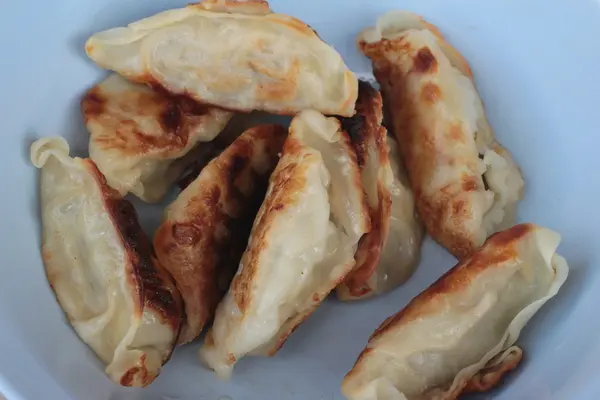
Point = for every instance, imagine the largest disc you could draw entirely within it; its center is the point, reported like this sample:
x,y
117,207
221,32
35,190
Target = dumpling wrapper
x,y
101,266
142,140
388,254
258,7
458,335
466,184
301,246
239,57
205,230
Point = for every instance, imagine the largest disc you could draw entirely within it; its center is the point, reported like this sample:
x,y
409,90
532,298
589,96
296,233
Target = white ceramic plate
x,y
536,67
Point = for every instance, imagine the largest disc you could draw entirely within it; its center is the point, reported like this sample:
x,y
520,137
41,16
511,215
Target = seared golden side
x,y
499,251
176,120
366,131
206,229
428,144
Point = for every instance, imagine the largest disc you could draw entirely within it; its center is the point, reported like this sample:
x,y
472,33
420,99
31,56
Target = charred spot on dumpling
x,y
357,125
186,102
156,293
93,104
238,163
424,61
186,234
354,127
430,93
170,118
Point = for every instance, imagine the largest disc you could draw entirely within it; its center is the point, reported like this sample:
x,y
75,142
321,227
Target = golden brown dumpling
x,y
235,56
388,254
301,246
458,335
142,140
101,266
205,231
466,184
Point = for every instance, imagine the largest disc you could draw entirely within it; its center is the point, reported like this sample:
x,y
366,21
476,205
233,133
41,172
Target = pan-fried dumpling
x,y
458,335
205,231
101,266
239,57
142,140
388,254
301,246
466,184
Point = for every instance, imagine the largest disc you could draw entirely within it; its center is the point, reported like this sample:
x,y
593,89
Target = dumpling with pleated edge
x,y
205,230
301,247
236,56
466,184
142,140
101,266
389,253
458,336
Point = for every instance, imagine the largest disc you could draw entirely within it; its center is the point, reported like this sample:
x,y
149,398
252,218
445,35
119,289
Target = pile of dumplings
x,y
273,220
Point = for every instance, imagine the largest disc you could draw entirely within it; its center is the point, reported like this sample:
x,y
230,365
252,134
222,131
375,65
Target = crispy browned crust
x,y
365,130
203,250
498,251
443,213
286,182
456,56
178,116
150,283
350,151
285,89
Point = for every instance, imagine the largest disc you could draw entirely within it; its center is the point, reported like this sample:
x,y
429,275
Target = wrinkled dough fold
x,y
459,335
236,57
143,140
101,266
388,254
466,184
301,246
206,229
